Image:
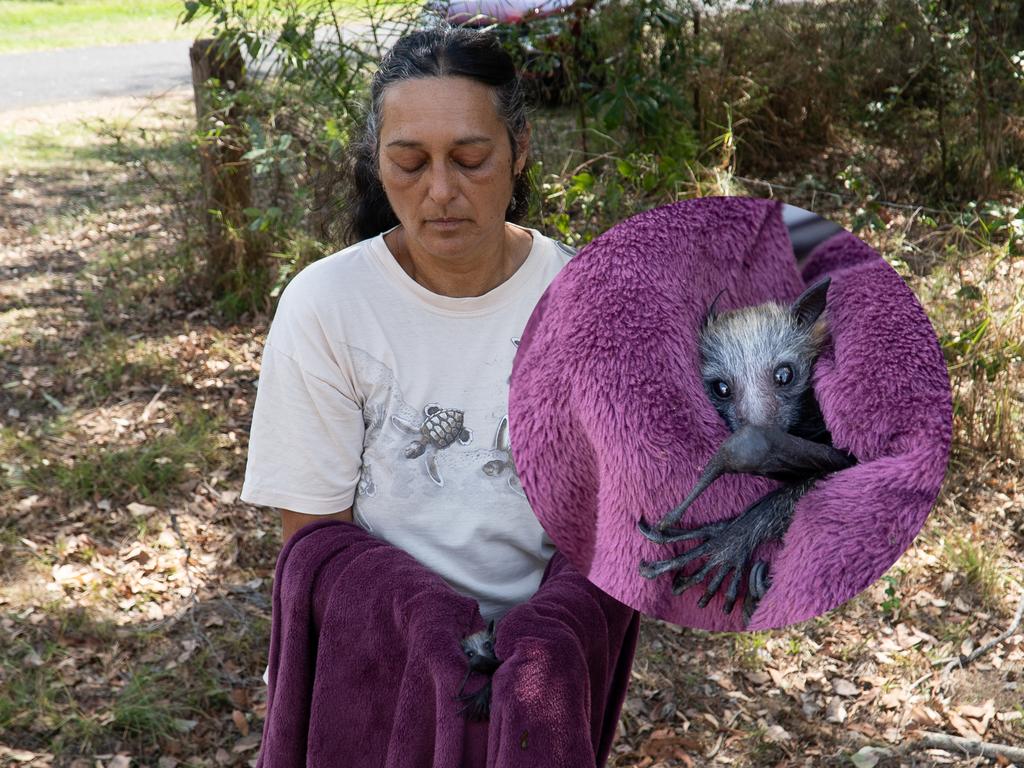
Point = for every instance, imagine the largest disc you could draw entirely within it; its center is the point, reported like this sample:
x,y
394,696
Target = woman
x,y
384,384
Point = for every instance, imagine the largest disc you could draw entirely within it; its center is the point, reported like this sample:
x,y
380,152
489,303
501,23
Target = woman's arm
x,y
293,521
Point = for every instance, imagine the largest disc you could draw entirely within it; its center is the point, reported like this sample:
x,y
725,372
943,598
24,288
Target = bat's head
x,y
756,362
479,650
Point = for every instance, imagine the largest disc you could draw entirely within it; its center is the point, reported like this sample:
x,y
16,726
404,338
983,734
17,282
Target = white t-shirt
x,y
378,394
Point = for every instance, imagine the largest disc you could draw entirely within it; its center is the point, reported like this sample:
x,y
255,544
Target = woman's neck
x,y
473,275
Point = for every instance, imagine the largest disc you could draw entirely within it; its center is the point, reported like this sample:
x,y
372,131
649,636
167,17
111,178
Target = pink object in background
x,y
497,11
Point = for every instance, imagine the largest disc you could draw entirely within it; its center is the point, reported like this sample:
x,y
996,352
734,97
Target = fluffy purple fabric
x,y
884,390
365,663
610,421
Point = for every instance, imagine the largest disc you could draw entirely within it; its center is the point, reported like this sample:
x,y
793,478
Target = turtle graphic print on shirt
x,y
435,438
440,428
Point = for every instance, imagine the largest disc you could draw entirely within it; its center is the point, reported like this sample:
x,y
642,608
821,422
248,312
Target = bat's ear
x,y
490,627
712,314
810,304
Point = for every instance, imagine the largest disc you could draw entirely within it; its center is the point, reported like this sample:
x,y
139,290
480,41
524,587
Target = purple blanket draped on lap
x,y
365,663
611,422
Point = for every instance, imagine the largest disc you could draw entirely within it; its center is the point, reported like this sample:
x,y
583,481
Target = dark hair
x,y
436,52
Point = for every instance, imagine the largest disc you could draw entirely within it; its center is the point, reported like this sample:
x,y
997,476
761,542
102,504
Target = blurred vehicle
x,y
484,12
807,230
543,36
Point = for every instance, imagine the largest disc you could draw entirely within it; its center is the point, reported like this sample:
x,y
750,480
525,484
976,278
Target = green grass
x,y
109,363
37,696
978,566
98,139
34,25
144,709
44,146
749,648
140,705
41,706
147,472
33,695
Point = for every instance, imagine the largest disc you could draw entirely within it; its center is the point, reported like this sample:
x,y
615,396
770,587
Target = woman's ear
x,y
522,150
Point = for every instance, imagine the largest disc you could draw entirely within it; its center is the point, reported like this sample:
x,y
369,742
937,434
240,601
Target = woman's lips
x,y
446,223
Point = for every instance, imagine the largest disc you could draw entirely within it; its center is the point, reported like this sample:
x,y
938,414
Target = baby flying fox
x,y
480,653
756,364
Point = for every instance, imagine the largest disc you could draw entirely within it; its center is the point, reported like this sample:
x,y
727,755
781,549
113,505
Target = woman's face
x,y
446,163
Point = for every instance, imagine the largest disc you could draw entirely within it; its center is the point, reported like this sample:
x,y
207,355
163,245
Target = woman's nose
x,y
442,183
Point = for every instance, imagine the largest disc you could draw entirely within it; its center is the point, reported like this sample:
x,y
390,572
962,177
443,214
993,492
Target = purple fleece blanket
x,y
365,663
610,421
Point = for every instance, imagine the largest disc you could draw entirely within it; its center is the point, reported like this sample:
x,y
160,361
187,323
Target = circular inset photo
x,y
730,414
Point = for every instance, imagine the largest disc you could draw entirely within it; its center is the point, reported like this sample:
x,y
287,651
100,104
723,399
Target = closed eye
x,y
469,165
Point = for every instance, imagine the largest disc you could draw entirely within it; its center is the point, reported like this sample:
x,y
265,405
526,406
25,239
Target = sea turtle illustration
x,y
366,486
441,427
374,416
496,467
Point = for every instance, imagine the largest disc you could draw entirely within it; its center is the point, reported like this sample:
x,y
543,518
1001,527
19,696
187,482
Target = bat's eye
x,y
783,374
488,647
721,389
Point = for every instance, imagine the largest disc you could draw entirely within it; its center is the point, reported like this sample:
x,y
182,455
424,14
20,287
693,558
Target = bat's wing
x,y
754,450
791,458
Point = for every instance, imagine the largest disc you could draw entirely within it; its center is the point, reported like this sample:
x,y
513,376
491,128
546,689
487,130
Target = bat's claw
x,y
757,587
760,579
667,535
651,570
727,547
477,704
653,533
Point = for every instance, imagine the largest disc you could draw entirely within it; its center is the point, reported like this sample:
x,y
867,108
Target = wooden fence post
x,y
226,176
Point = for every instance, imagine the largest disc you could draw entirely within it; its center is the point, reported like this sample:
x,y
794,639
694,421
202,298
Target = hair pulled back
x,y
441,51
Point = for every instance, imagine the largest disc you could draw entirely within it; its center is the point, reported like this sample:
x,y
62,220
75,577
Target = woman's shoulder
x,y
564,249
559,251
347,272
325,274
326,289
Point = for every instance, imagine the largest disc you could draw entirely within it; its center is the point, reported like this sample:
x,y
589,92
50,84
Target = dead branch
x,y
962,746
963,661
152,403
840,197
